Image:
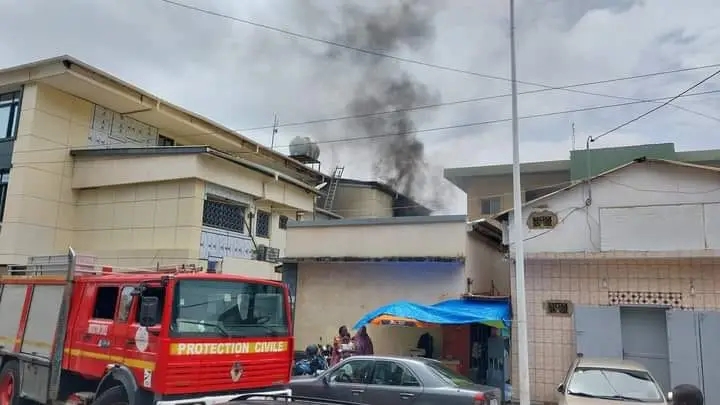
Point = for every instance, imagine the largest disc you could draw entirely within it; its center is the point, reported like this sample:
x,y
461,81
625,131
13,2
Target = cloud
x,y
241,75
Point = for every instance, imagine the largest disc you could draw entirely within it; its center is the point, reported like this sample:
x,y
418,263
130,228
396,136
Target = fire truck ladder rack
x,y
332,188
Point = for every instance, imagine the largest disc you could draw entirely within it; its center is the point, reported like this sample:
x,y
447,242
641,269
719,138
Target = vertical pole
x,y
521,306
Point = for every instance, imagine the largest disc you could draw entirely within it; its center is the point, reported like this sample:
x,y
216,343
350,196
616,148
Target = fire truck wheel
x,y
112,396
10,384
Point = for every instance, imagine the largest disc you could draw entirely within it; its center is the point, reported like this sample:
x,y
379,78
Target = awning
x,y
495,313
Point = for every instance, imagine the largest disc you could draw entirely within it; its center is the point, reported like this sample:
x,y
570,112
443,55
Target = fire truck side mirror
x,y
149,311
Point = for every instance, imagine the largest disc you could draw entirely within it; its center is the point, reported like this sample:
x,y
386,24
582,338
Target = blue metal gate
x,y
694,352
597,331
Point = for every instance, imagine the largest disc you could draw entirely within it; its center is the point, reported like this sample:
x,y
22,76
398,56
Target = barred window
x,y
262,224
227,215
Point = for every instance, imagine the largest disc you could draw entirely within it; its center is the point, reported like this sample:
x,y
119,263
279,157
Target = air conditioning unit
x,y
268,254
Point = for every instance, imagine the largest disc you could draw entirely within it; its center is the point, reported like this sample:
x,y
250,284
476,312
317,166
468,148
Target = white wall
x,y
665,187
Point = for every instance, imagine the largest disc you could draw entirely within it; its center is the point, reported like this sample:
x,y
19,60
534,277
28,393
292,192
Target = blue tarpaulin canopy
x,y
492,312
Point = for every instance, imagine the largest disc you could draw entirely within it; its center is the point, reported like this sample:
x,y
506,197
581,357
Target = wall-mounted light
x,y
692,288
604,283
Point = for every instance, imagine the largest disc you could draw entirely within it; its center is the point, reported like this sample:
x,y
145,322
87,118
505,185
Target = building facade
x,y
625,265
340,270
489,188
95,163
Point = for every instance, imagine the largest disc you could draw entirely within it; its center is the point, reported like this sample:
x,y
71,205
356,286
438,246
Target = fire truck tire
x,y
10,384
112,396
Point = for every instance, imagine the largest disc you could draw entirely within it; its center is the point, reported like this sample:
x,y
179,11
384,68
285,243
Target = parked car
x,y
253,399
389,380
600,381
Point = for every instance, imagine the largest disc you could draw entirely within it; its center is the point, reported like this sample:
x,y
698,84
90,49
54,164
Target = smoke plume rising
x,y
384,86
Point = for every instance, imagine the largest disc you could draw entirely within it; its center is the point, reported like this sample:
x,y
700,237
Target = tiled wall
x,y
593,282
39,208
141,224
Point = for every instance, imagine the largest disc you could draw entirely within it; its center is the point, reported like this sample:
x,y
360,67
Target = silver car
x,y
388,380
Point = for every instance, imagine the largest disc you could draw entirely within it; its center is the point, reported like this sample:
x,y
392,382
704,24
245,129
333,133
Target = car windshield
x,y
215,308
447,374
622,385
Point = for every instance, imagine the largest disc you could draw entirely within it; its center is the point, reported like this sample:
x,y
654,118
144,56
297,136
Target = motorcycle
x,y
315,361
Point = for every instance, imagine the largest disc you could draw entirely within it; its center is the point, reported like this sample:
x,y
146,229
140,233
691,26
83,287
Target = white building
x,y
626,265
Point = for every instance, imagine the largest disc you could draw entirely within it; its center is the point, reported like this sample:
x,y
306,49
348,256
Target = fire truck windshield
x,y
213,308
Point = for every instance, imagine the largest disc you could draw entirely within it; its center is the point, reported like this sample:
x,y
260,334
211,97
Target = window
x,y
283,221
352,372
609,383
126,300
165,141
214,308
9,114
490,206
394,374
224,214
447,374
105,302
4,179
262,224
152,291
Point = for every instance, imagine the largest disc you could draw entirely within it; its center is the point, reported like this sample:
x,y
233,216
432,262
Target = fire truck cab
x,y
75,333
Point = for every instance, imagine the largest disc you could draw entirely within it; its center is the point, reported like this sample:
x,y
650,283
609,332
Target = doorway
x,y
645,340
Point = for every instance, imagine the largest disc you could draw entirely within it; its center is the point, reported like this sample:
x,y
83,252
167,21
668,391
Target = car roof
x,y
403,359
619,364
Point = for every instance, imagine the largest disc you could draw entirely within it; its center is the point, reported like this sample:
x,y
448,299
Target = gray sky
x,y
240,75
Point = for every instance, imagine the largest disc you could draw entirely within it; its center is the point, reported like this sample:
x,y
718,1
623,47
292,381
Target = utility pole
x,y
275,128
521,302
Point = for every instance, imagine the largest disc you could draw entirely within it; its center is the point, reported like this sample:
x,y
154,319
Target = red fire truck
x,y
75,333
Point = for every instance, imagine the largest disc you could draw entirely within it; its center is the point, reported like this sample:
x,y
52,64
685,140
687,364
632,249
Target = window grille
x,y
226,215
262,224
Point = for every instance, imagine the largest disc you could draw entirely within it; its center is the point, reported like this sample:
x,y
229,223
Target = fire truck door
x,y
92,344
141,343
122,322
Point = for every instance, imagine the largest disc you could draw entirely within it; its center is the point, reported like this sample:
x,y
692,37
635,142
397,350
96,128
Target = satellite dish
x,y
321,186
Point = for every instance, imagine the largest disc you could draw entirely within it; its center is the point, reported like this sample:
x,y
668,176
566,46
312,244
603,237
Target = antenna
x,y
573,136
275,128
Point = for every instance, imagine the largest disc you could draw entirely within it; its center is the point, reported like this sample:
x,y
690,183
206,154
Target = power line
x,y
652,110
373,52
485,98
434,129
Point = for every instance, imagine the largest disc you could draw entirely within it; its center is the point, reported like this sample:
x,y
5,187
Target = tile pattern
x,y
683,282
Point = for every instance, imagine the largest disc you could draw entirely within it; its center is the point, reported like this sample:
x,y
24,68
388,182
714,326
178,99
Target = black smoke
x,y
385,85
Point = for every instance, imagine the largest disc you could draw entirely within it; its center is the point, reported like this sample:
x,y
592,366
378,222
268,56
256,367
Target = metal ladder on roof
x,y
332,187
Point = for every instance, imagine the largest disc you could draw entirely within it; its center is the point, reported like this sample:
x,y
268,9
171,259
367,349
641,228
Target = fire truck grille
x,y
184,377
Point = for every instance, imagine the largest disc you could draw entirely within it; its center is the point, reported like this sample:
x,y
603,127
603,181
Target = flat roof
x,y
369,259
549,166
434,219
188,150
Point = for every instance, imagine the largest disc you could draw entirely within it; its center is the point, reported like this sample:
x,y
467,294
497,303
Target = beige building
x,y
92,162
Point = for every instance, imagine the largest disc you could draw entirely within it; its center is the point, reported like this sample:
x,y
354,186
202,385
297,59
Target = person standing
x,y
363,343
340,343
687,394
